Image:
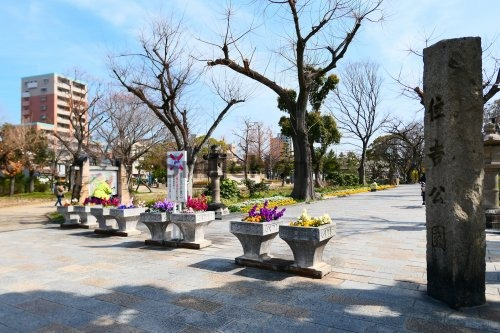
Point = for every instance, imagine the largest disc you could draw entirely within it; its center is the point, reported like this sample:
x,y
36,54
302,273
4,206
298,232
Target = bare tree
x,y
85,117
246,139
491,74
160,75
411,136
261,140
356,104
130,132
312,50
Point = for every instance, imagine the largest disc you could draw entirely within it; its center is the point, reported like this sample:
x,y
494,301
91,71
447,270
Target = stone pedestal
x,y
71,219
106,222
127,220
308,244
157,224
215,161
453,100
192,226
87,220
255,238
491,169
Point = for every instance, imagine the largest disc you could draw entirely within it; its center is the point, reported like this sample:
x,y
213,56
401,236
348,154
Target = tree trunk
x,y
318,181
31,188
128,174
361,169
77,187
12,185
303,185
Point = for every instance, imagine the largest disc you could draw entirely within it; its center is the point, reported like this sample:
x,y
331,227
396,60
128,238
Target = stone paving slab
x,y
54,280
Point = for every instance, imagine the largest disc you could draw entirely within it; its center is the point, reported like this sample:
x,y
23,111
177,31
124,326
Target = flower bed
x,y
245,206
345,192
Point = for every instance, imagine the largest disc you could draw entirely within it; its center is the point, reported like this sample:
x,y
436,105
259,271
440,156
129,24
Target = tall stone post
x,y
491,169
85,180
122,190
215,161
454,172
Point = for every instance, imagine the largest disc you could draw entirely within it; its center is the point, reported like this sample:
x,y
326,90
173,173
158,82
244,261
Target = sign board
x,y
98,176
177,176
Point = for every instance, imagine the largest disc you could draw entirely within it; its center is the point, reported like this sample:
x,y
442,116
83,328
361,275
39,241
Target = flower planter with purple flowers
x,y
127,218
157,219
256,232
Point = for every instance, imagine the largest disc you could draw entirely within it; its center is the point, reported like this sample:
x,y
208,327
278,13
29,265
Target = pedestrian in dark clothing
x,y
59,194
422,188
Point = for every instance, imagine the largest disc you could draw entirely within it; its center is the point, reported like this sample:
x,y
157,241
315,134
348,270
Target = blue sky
x,y
47,36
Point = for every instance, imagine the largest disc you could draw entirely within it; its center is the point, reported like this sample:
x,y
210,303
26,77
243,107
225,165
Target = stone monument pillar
x,y
122,190
215,161
491,169
453,102
85,172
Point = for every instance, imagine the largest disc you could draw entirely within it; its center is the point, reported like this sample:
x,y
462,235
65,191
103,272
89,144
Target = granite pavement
x,y
56,280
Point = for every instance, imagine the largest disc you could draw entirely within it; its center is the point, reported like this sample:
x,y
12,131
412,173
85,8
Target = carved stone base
x,y
287,266
255,238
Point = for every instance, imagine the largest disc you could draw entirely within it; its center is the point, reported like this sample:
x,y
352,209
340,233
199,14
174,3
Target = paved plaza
x,y
54,280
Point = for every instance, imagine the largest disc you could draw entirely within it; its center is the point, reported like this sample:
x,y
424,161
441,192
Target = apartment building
x,y
49,99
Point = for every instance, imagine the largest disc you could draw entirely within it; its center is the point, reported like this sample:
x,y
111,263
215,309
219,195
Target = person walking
x,y
59,194
422,188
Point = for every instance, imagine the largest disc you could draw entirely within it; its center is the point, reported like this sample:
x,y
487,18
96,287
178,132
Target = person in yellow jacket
x,y
102,189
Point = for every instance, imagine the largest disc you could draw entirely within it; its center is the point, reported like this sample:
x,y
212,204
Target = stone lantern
x,y
215,161
491,169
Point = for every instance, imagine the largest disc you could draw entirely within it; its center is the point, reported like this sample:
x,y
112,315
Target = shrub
x,y
254,188
343,179
229,189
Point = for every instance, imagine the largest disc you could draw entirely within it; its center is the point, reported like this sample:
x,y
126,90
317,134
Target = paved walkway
x,y
54,280
24,217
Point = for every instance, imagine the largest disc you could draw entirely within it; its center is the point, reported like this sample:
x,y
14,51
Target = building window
x,y
45,81
26,108
43,117
43,99
26,99
43,89
43,107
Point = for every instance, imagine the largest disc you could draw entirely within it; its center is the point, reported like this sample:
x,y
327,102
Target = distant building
x,y
47,102
49,99
280,147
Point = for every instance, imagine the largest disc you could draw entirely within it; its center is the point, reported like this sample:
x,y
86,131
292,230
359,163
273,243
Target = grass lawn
x,y
22,198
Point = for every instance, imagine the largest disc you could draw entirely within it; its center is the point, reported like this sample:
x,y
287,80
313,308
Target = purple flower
x,y
163,206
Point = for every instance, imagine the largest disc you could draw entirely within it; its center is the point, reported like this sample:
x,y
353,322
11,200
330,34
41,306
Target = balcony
x,y
26,103
26,94
62,120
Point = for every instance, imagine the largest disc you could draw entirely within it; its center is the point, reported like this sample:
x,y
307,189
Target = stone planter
x,y
127,220
157,224
255,238
307,244
192,226
106,222
87,220
71,219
